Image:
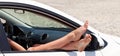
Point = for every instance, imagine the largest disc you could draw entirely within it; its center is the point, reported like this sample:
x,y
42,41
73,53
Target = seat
x,y
4,45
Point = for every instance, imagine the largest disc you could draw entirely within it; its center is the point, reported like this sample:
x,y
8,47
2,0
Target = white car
x,y
29,22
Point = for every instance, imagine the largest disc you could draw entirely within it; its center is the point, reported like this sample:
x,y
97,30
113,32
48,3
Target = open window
x,y
27,28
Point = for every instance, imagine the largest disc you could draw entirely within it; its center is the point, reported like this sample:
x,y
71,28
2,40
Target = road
x,y
102,15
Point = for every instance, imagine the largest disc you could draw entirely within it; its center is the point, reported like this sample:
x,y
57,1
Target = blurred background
x,y
103,15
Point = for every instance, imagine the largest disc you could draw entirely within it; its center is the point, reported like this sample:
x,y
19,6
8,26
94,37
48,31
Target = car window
x,y
46,29
33,19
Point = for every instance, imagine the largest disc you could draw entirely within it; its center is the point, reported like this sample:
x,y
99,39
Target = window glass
x,y
33,19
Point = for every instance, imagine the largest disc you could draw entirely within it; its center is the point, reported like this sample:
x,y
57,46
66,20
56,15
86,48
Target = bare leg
x,y
57,44
15,45
52,45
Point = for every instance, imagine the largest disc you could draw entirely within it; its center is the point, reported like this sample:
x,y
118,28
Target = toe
x,y
86,24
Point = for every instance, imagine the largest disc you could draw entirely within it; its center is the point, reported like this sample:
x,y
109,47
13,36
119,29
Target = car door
x,y
41,24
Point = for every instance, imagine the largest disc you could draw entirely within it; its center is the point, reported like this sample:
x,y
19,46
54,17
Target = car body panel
x,y
112,46
74,53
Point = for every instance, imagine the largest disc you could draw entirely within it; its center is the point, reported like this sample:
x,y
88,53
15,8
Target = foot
x,y
84,42
80,31
79,45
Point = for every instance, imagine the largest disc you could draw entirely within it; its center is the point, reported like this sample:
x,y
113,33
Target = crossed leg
x,y
70,41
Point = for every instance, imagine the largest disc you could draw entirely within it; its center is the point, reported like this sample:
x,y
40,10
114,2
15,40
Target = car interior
x,y
26,37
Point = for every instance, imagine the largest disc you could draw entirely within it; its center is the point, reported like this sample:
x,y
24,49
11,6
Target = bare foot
x,y
79,45
84,42
80,31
